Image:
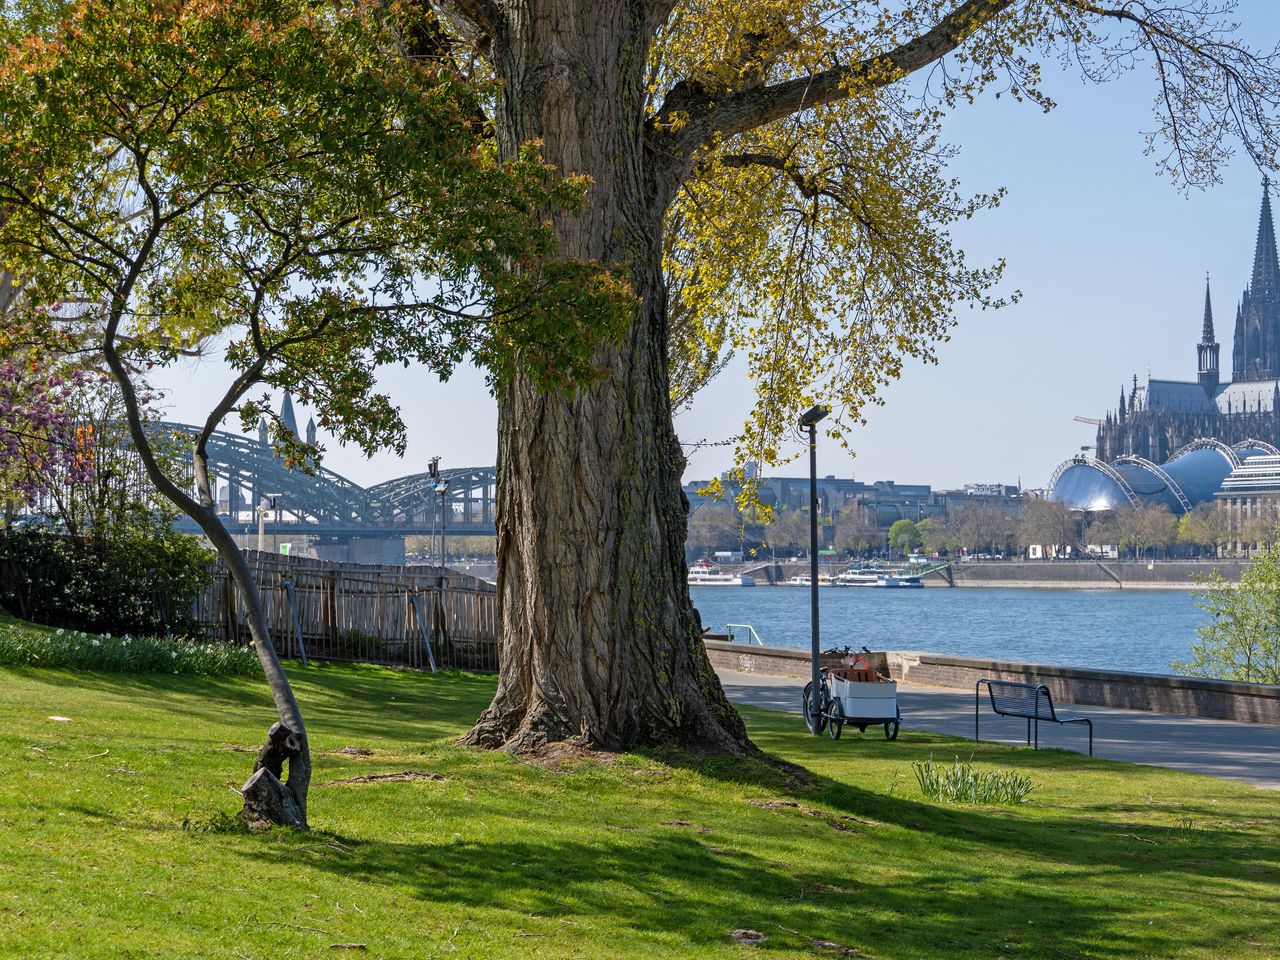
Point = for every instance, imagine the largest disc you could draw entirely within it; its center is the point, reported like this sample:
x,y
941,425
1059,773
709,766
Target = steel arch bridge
x,y
323,503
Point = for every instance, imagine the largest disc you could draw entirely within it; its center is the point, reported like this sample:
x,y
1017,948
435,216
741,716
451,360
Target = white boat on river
x,y
709,575
877,577
804,581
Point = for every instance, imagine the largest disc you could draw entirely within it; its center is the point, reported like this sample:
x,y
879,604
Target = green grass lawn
x,y
635,858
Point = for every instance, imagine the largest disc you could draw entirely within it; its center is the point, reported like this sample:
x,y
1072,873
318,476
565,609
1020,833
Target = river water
x,y
1141,630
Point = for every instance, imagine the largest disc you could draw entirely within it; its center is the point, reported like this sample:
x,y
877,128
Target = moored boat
x,y
803,581
867,577
899,582
709,575
878,577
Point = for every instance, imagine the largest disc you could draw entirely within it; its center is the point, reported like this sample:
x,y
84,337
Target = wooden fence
x,y
405,616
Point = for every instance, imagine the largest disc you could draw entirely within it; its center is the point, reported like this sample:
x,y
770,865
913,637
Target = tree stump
x,y
267,800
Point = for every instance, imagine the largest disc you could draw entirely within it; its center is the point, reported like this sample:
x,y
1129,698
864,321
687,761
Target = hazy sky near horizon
x,y
1110,260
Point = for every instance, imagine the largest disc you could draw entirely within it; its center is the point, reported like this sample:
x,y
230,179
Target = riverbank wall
x,y
1157,693
1113,575
1047,574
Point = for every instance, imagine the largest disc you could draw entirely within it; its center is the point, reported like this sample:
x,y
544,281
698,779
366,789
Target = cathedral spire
x,y
286,414
1256,353
1207,349
1266,270
1207,335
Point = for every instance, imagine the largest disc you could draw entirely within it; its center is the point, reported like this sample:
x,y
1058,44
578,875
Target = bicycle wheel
x,y
891,727
816,724
835,726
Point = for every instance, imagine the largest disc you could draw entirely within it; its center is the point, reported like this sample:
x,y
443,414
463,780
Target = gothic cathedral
x,y
1159,417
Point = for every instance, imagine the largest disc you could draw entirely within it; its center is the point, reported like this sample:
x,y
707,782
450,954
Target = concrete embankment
x,y
1112,575
1157,693
1051,574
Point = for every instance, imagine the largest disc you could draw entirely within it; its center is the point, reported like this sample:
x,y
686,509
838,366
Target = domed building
x,y
1196,473
1177,444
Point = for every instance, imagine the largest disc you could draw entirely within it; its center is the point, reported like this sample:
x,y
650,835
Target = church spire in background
x,y
1266,270
1207,349
1256,352
1207,335
287,416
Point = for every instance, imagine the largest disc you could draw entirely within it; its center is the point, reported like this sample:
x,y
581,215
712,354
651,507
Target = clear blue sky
x,y
1110,260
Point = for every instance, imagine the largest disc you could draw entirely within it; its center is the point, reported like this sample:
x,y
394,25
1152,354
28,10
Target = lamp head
x,y
811,416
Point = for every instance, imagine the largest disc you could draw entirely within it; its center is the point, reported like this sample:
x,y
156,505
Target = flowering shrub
x,y
141,580
21,645
39,440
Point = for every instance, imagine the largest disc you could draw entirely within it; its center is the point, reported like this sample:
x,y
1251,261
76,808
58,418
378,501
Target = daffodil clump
x,y
24,646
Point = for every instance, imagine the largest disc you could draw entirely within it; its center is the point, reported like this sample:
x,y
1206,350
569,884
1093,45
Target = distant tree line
x,y
982,528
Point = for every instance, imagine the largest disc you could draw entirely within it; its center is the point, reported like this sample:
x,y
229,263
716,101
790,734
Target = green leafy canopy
x,y
280,177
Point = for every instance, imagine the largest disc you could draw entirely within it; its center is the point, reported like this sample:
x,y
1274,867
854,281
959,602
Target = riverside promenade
x,y
1248,752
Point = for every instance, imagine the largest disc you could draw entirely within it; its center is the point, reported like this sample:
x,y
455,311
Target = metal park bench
x,y
1028,700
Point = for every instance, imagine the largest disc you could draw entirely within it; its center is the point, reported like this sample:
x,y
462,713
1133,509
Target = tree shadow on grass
x,y
673,883
1101,839
347,703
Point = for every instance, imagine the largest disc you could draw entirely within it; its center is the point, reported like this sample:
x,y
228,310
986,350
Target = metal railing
x,y
748,630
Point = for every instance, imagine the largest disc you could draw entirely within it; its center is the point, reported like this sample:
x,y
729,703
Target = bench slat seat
x,y
1031,701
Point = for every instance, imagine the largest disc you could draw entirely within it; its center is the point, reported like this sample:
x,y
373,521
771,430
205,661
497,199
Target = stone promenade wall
x,y
1187,696
1076,573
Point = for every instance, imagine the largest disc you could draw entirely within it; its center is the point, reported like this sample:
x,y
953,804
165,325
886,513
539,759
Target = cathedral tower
x,y
1207,350
1256,352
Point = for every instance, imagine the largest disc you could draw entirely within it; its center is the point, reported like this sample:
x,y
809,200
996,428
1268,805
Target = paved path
x,y
1220,748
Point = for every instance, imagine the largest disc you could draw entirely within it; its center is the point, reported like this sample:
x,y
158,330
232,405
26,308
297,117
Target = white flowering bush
x,y
21,646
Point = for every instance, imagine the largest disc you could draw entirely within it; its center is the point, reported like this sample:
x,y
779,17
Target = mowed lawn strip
x,y
113,839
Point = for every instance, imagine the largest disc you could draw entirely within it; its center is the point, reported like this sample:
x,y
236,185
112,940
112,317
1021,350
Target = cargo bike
x,y
852,693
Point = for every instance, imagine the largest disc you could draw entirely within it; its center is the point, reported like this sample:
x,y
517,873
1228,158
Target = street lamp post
x,y
442,488
268,503
810,421
433,471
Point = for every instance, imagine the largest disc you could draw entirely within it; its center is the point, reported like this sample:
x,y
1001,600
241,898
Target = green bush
x,y
138,579
1240,640
20,645
960,783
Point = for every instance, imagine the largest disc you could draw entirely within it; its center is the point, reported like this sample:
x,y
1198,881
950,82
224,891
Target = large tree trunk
x,y
599,640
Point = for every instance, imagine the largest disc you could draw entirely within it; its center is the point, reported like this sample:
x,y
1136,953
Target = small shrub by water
x,y
23,646
960,783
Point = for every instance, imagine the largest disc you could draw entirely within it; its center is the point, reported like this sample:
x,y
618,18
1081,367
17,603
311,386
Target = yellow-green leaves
x,y
271,177
812,231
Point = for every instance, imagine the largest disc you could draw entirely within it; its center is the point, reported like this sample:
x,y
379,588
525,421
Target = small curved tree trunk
x,y
269,796
598,634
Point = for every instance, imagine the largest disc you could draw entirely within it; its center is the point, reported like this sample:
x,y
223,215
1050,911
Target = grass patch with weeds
x,y
117,839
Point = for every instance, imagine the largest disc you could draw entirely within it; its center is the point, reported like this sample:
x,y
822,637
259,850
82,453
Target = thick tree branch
x,y
471,18
697,114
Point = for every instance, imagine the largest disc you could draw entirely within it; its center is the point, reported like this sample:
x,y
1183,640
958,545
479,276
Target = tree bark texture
x,y
598,635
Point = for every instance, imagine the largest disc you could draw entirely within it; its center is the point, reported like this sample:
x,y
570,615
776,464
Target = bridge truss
x,y
324,503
